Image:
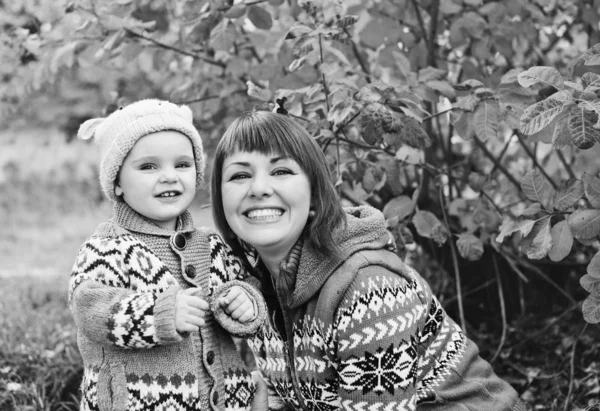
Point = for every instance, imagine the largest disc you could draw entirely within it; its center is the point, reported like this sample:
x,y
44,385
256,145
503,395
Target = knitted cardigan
x,y
364,332
122,295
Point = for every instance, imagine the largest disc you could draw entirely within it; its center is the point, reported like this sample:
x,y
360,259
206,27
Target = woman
x,y
350,325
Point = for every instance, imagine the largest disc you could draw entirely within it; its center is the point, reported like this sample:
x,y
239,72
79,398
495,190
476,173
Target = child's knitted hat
x,y
117,134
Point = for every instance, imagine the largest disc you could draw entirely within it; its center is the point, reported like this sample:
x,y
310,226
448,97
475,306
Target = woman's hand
x,y
238,305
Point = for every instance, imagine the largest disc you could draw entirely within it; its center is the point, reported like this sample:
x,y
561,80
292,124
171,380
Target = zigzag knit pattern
x,y
122,292
368,359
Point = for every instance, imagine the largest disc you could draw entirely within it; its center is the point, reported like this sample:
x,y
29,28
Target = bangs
x,y
251,133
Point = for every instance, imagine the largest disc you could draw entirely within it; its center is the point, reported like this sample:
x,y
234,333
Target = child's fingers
x,y
197,302
233,300
243,313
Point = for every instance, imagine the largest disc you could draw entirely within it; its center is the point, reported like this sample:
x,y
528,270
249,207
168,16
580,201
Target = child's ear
x,y
118,190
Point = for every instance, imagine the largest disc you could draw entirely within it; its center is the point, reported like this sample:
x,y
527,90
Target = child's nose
x,y
168,175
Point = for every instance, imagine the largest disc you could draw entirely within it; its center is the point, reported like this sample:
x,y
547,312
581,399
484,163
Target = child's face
x,y
158,177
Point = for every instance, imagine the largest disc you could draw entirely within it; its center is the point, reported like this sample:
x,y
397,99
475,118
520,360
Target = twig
x,y
205,98
502,307
439,113
358,56
420,20
325,88
567,166
539,272
547,326
494,160
504,149
176,49
534,159
572,372
434,7
461,312
473,291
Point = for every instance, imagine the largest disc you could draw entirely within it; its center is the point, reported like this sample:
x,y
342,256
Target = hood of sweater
x,y
366,230
131,220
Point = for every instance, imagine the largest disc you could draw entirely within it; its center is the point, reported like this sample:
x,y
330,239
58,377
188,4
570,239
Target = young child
x,y
149,292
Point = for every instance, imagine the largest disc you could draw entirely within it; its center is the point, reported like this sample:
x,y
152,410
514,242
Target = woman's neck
x,y
272,262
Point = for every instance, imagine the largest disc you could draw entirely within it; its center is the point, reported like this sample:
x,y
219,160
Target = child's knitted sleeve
x,y
232,273
121,294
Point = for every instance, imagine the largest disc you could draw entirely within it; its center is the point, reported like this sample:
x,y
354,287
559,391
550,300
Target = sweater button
x,y
190,270
210,358
215,398
179,241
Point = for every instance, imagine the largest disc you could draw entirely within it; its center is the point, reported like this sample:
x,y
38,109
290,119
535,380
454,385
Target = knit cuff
x,y
164,317
234,327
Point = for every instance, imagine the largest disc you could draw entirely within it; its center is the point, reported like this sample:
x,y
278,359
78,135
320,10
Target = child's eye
x,y
184,165
147,166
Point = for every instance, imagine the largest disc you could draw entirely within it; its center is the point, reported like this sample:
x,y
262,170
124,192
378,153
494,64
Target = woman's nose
x,y
260,187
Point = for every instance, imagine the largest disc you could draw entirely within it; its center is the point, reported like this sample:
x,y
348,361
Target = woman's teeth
x,y
264,214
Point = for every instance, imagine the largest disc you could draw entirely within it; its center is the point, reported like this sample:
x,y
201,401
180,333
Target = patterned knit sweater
x,y
122,295
365,333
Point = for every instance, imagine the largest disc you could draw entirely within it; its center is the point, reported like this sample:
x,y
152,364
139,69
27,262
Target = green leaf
x,y
469,246
463,124
340,111
428,225
259,92
536,187
541,74
236,11
413,134
431,73
260,17
222,37
450,6
297,30
591,185
400,207
581,127
585,224
442,87
542,242
590,80
562,241
591,309
485,119
510,226
569,193
469,84
561,136
371,122
590,284
593,268
539,115
532,210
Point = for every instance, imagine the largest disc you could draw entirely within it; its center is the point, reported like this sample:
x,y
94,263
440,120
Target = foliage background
x,y
471,123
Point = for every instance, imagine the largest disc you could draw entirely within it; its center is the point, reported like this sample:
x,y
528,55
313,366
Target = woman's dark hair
x,y
268,133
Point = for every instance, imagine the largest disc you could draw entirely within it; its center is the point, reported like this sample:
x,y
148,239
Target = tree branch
x,y
494,160
176,49
534,159
567,166
461,312
502,307
420,20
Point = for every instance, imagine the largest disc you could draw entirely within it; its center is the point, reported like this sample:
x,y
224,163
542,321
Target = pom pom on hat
x,y
117,133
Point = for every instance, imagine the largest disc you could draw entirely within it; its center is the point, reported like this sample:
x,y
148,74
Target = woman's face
x,y
266,199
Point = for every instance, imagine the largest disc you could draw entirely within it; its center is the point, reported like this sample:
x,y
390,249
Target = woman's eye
x,y
238,176
282,171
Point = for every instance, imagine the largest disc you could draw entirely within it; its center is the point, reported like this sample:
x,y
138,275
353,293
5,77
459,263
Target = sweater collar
x,y
306,271
131,220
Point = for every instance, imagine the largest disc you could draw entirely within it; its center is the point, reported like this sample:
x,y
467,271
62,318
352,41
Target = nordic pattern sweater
x,y
122,295
365,333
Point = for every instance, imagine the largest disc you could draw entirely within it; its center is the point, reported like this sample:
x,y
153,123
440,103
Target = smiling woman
x,y
330,277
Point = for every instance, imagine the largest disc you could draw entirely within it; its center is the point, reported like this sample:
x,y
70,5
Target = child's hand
x,y
237,304
190,309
